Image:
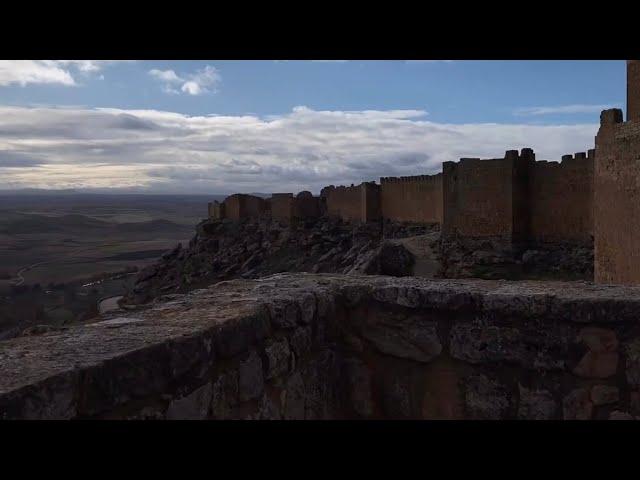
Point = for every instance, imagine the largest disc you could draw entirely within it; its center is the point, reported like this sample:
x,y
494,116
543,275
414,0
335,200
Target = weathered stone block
x,y
194,406
307,308
284,313
536,404
225,395
598,339
618,415
52,399
301,341
416,340
597,365
293,398
269,409
538,349
485,398
632,352
601,358
577,405
396,396
359,381
604,394
234,338
278,357
250,378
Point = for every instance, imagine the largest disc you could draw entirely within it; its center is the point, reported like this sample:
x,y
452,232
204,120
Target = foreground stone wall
x,y
327,346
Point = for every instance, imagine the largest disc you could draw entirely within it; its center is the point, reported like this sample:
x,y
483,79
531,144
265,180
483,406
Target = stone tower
x,y
616,206
633,90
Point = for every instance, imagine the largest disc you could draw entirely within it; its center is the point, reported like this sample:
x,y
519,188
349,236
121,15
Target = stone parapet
x,y
333,346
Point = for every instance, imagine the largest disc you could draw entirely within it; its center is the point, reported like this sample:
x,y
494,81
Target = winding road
x,y
19,279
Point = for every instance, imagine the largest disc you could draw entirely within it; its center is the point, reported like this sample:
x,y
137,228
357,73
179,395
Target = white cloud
x,y
168,76
202,81
427,61
192,88
24,72
302,150
562,109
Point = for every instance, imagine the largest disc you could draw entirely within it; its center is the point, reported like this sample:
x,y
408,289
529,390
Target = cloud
x,y
23,72
60,72
562,109
414,62
168,76
89,66
10,159
305,149
202,81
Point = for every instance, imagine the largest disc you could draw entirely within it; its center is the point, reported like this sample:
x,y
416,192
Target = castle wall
x,y
370,203
561,199
412,199
282,207
617,200
239,206
520,198
307,206
344,202
477,198
216,210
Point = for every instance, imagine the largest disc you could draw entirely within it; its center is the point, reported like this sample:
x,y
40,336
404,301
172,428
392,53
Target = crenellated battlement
x,y
414,178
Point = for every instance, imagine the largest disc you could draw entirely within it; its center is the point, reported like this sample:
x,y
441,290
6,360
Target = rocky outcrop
x,y
494,258
252,248
294,346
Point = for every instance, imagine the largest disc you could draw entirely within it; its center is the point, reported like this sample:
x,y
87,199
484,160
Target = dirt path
x,y
108,304
427,264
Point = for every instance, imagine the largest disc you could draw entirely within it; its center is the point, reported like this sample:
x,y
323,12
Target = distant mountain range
x,y
113,191
19,223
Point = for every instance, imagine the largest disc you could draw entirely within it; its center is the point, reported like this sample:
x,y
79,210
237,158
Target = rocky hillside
x,y
225,249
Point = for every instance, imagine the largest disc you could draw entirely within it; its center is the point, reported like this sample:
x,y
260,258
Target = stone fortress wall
x,y
585,199
513,197
520,199
416,199
617,197
561,195
343,202
239,205
282,206
477,197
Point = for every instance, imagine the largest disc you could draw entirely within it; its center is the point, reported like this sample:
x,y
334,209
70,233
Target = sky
x,y
220,127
